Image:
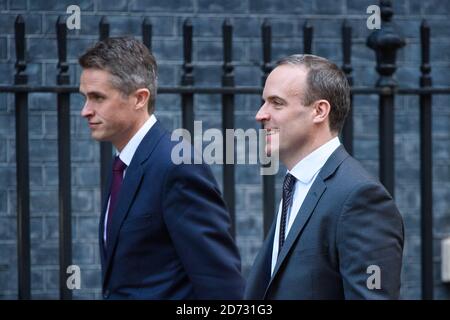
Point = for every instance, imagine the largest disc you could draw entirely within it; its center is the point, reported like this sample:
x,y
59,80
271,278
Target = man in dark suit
x,y
338,233
164,228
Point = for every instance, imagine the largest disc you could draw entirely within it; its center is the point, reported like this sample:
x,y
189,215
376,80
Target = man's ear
x,y
322,110
141,98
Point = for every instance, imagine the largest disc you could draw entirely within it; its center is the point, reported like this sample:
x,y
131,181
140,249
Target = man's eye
x,y
99,99
277,103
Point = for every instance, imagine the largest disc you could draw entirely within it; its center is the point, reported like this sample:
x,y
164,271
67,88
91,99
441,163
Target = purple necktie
x,y
118,168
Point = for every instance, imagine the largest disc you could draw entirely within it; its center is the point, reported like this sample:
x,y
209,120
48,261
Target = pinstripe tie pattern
x,y
288,184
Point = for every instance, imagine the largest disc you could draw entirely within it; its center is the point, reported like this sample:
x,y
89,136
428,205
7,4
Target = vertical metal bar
x,y
147,33
22,166
228,120
347,131
307,37
385,42
386,148
426,167
268,180
103,28
105,147
65,207
187,79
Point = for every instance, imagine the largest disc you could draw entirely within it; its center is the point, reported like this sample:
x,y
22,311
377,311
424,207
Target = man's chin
x,y
98,137
271,147
269,151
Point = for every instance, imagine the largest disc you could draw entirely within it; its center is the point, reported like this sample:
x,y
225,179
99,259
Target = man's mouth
x,y
271,131
93,124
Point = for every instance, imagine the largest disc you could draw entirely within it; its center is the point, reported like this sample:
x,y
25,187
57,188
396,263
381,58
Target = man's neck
x,y
291,160
134,130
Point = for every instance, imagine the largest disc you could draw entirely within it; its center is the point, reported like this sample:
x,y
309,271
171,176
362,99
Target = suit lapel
x,y
102,218
129,188
127,191
308,206
305,212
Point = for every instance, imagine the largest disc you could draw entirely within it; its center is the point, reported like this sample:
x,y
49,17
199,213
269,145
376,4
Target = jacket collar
x,y
128,190
309,204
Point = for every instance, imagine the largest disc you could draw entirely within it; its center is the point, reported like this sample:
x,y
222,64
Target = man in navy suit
x,y
338,233
164,228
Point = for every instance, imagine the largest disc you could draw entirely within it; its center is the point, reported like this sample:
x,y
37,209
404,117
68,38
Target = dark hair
x,y
130,63
326,81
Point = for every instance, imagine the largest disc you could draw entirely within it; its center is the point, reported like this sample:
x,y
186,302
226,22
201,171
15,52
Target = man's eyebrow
x,y
93,93
276,98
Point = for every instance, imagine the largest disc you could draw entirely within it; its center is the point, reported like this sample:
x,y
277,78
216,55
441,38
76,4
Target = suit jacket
x,y
347,224
169,236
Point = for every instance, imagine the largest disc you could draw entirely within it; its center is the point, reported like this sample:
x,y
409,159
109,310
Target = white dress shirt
x,y
305,173
127,154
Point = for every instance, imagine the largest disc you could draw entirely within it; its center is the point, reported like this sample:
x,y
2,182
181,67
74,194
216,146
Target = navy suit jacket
x,y
170,232
347,227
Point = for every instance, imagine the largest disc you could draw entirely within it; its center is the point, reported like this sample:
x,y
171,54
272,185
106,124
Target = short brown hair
x,y
130,63
326,81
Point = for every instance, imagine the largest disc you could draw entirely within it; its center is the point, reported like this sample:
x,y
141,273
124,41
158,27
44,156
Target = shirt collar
x,y
128,152
308,167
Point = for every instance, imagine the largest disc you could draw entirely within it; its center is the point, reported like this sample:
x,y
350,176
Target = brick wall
x,y
287,18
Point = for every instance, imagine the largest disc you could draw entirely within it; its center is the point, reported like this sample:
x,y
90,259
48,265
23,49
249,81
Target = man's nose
x,y
86,111
262,114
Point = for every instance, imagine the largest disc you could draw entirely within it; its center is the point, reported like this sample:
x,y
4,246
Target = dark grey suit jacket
x,y
347,224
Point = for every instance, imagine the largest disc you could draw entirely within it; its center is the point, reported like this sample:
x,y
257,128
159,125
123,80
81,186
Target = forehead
x,y
95,79
286,80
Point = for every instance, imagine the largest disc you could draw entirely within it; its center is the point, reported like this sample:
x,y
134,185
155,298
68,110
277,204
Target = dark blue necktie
x,y
288,190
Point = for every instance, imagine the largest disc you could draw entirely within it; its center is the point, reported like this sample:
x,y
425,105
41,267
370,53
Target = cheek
x,y
119,116
109,112
100,111
293,129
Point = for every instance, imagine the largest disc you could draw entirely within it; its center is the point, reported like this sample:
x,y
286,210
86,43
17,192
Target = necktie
x,y
288,188
118,168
